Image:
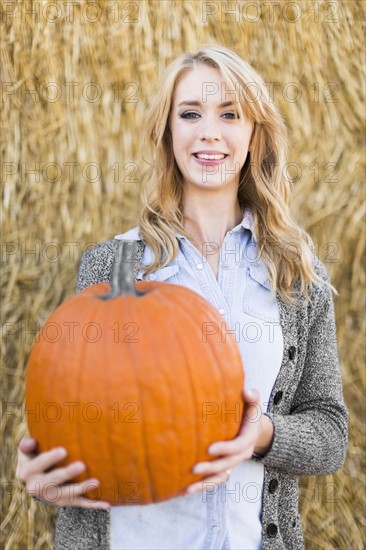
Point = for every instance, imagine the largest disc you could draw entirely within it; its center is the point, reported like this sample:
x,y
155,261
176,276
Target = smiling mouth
x,y
204,156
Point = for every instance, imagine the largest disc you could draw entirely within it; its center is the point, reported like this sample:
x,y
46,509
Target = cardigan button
x,y
272,530
277,398
292,352
273,486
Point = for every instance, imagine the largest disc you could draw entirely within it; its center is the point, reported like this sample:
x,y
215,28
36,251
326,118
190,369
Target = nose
x,y
210,128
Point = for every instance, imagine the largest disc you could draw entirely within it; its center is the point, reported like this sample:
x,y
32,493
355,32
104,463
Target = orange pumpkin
x,y
137,383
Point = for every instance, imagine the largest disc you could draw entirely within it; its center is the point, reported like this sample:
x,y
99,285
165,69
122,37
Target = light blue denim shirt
x,y
227,516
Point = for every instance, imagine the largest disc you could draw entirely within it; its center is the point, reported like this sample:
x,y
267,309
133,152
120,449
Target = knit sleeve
x,y
96,264
312,439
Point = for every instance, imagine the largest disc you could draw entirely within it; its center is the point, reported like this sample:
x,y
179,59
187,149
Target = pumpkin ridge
x,y
216,362
79,374
168,306
198,404
212,363
143,447
188,319
157,301
135,372
31,402
108,392
48,391
82,316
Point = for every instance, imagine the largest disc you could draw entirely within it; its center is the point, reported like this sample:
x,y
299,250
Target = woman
x,y
216,219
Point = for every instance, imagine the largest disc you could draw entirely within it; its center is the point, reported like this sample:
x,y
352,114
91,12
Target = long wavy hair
x,y
282,244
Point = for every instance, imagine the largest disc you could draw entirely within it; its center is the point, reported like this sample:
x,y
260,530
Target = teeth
x,y
209,157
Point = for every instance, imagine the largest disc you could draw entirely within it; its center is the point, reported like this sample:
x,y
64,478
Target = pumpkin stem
x,y
122,276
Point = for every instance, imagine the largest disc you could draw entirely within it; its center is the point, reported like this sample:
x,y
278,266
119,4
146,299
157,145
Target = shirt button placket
x,y
227,273
214,518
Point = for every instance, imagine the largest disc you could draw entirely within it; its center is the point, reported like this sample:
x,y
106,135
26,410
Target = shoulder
x,y
321,291
101,251
105,251
320,288
320,269
96,263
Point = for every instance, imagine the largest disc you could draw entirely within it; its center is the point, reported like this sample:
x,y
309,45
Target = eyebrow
x,y
198,103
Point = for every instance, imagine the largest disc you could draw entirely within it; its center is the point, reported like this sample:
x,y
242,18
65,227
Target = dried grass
x,y
80,211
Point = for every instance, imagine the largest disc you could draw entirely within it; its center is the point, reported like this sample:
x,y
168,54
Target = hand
x,y
51,485
255,435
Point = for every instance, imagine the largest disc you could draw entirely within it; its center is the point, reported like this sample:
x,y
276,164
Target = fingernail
x,y
79,466
214,449
199,468
93,480
61,451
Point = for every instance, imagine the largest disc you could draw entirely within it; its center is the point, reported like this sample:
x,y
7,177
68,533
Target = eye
x,y
192,115
232,115
187,114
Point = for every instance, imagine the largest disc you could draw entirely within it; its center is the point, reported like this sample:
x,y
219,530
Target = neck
x,y
209,216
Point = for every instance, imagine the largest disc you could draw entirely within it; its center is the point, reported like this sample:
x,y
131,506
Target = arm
x,y
312,438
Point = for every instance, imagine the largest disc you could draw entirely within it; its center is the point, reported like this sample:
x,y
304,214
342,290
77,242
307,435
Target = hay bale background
x,y
50,217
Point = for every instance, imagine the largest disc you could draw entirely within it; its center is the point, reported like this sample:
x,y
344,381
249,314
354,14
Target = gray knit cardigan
x,y
306,407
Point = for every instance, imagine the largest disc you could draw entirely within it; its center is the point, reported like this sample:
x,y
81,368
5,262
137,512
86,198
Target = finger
x,y
253,406
26,451
84,502
72,495
28,445
251,395
220,465
235,446
93,504
43,462
61,495
207,483
67,473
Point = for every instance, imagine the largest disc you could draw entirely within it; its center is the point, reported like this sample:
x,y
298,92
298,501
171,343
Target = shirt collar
x,y
130,235
247,222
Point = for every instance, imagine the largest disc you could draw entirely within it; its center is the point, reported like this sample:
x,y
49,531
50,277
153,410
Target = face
x,y
206,128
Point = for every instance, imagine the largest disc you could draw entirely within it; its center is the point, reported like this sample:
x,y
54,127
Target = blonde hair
x,y
282,244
